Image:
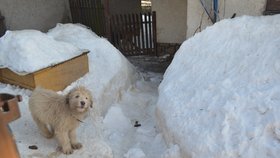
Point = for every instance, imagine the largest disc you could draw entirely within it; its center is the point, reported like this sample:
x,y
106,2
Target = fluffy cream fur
x,y
60,115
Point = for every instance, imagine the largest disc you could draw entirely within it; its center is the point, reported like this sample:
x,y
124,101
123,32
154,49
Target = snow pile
x,y
220,96
109,71
126,140
27,51
110,74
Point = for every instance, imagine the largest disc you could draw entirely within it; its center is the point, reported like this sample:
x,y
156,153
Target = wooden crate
x,y
55,77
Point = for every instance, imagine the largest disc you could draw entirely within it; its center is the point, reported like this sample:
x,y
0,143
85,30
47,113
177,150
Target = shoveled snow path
x,y
136,105
114,136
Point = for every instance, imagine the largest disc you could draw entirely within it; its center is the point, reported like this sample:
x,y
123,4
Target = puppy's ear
x,y
67,98
91,103
90,96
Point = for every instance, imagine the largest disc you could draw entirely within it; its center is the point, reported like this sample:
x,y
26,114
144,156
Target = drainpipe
x,y
215,10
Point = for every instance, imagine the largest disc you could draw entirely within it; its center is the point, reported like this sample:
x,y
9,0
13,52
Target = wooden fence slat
x,y
146,33
101,17
135,33
125,31
86,13
96,16
132,34
121,32
113,33
154,26
138,23
132,30
118,31
142,34
128,34
150,31
81,4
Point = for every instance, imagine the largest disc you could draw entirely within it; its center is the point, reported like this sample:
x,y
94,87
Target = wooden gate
x,y
2,25
134,34
89,13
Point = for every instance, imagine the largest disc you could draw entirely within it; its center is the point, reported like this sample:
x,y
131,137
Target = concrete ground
x,y
151,63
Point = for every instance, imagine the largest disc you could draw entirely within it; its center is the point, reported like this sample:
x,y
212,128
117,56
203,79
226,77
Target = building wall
x,y
197,15
124,6
171,20
34,14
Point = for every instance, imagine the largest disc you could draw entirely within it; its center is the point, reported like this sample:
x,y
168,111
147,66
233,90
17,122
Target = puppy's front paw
x,y
66,151
77,146
48,135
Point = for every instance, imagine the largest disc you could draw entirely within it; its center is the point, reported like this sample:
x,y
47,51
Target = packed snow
x,y
220,96
27,51
110,72
122,96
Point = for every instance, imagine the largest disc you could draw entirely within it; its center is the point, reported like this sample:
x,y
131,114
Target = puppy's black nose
x,y
82,103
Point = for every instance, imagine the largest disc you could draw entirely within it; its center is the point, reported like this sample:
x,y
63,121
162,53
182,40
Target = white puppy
x,y
60,115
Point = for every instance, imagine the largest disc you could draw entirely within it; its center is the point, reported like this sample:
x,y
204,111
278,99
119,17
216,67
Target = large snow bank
x,y
110,73
220,96
27,51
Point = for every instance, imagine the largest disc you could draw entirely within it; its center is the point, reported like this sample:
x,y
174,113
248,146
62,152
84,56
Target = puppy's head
x,y
79,99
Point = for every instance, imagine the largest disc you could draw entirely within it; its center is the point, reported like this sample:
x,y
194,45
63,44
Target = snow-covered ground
x,y
220,97
122,96
108,137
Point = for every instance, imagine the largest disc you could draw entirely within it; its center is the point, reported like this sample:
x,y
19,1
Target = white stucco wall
x,y
227,8
34,14
171,20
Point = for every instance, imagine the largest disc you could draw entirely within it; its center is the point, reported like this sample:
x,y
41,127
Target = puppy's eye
x,y
77,96
86,98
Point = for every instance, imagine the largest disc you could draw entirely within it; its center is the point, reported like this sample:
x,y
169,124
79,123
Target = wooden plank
x,y
9,77
61,75
56,77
